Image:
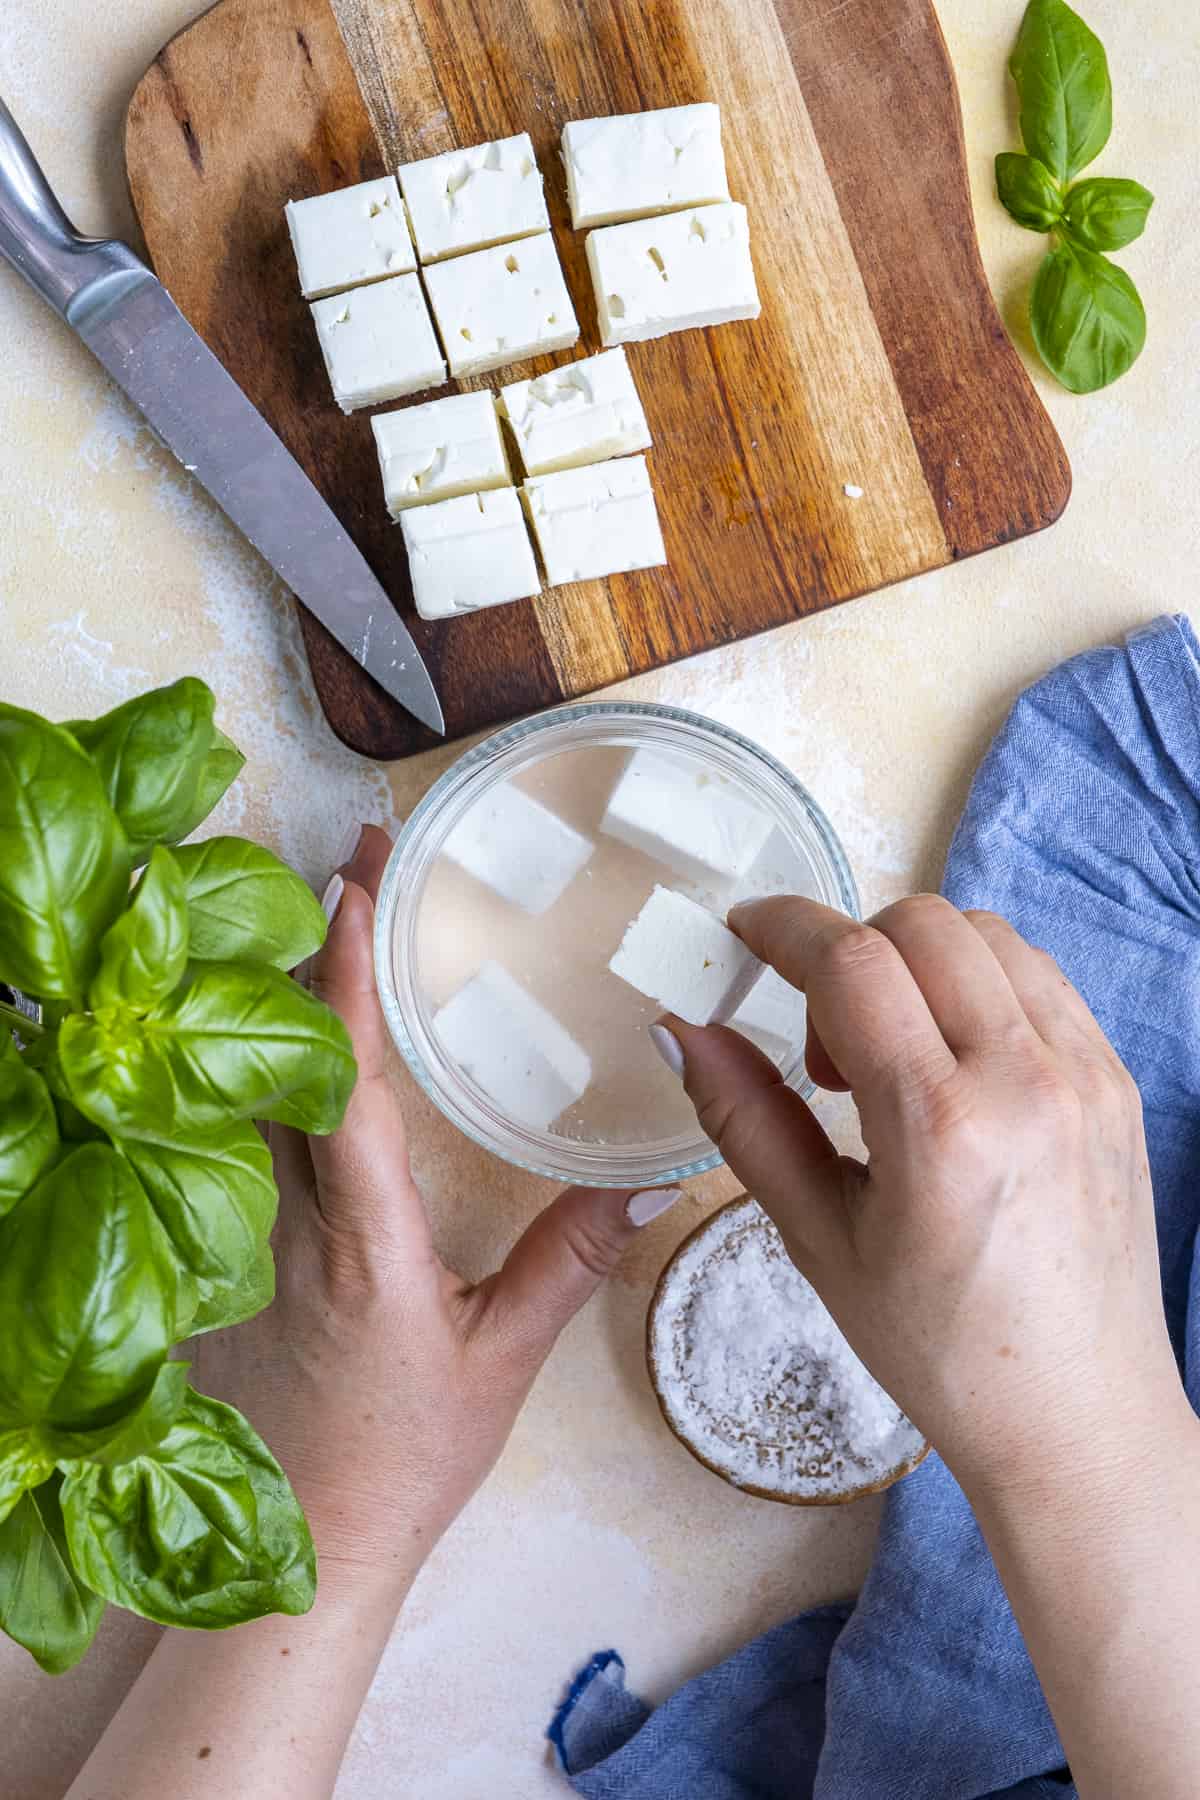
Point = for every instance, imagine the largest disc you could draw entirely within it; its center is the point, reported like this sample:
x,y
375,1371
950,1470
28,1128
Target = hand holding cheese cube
x,y
684,958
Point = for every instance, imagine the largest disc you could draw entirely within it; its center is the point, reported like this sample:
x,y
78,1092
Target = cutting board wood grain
x,y
879,361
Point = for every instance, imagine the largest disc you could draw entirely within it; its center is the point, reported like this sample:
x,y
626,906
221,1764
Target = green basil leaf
x,y
244,905
232,1043
1088,320
215,1198
1028,190
64,863
203,1532
139,1432
1107,213
24,1464
28,1129
143,953
220,769
225,1303
89,1296
151,753
44,1606
1062,79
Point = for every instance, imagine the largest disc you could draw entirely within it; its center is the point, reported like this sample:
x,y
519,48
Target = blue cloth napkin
x,y
1083,829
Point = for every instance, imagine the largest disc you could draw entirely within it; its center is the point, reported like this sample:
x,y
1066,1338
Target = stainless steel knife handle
x,y
76,274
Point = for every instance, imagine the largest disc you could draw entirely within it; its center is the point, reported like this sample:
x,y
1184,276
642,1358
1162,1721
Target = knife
x,y
128,320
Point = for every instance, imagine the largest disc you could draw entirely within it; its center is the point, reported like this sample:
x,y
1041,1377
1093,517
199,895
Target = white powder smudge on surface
x,y
754,1374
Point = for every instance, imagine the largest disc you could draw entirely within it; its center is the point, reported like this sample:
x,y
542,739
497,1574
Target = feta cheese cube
x,y
512,1048
773,1016
498,306
378,342
445,447
468,199
673,274
595,521
469,552
640,163
352,236
681,956
519,848
584,412
684,816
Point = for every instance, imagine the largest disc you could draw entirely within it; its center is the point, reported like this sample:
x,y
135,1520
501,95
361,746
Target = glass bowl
x,y
423,930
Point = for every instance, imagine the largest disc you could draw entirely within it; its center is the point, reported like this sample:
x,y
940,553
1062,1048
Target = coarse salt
x,y
757,1379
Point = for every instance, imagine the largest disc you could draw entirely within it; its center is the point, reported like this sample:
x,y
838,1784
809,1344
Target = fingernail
x,y
348,845
331,899
641,1208
669,1048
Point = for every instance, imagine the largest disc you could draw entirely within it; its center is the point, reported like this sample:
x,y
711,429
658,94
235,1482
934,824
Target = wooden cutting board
x,y
879,360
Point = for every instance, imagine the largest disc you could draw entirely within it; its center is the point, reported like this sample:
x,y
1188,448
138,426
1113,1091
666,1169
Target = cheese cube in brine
x,y
584,412
634,164
469,552
499,306
443,448
673,274
684,958
378,342
686,817
519,848
350,237
467,199
512,1048
595,521
773,1016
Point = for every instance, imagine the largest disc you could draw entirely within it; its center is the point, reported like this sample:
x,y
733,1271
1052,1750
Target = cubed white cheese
x,y
595,521
352,236
500,305
512,1048
467,553
467,199
445,447
673,274
519,848
681,956
684,816
378,342
634,164
584,412
773,1016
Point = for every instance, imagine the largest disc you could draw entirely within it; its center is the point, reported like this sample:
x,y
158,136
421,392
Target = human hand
x,y
385,1383
994,1262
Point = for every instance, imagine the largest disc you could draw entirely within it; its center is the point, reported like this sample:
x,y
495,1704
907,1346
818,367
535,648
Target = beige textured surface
x,y
115,572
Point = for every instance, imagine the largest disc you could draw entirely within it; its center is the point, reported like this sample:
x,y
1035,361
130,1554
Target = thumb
x,y
561,1260
765,1132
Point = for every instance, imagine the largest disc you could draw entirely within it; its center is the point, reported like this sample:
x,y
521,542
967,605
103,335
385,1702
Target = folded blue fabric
x,y
1083,829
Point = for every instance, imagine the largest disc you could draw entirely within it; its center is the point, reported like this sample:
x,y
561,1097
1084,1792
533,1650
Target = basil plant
x,y
146,1020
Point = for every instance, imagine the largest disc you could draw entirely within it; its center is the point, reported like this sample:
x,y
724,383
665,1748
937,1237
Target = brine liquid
x,y
561,957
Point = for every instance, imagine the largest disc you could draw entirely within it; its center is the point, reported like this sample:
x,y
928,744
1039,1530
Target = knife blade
x,y
130,323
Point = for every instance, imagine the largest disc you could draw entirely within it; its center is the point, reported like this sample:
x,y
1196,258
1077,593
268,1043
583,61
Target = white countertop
x,y
115,572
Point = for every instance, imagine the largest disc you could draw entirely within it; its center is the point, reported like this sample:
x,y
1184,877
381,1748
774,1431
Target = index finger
x,y
863,1001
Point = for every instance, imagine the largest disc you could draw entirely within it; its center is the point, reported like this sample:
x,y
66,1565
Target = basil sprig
x,y
136,1195
1087,316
